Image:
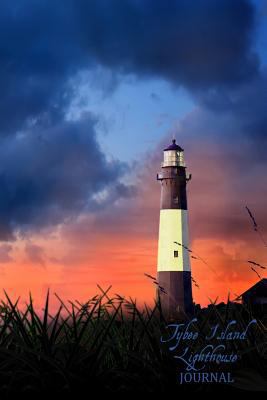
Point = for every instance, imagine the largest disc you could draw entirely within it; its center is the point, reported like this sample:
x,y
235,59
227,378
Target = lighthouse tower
x,y
174,271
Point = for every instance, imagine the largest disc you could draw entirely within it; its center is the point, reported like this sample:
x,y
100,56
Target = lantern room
x,y
173,156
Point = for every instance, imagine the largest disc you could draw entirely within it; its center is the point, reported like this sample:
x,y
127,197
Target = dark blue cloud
x,y
38,53
49,175
196,43
51,169
245,108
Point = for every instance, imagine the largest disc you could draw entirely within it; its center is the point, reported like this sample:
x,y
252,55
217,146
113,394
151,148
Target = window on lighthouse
x,y
180,158
173,158
175,253
170,158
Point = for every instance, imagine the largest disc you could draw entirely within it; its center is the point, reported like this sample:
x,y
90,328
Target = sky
x,y
91,93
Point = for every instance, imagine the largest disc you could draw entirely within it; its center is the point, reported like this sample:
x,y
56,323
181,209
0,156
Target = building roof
x,y
174,146
260,288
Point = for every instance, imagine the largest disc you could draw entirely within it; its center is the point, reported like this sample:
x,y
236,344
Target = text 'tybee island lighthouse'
x,y
174,271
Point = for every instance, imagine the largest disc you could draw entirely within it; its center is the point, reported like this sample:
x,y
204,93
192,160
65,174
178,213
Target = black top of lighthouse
x,y
174,146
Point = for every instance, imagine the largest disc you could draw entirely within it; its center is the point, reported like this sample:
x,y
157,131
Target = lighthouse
x,y
174,270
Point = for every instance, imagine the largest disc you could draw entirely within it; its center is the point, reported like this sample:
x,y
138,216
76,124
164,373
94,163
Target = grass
x,y
107,345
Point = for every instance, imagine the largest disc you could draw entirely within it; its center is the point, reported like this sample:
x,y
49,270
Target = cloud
x,y
244,112
52,169
35,254
45,44
31,77
5,251
194,43
49,175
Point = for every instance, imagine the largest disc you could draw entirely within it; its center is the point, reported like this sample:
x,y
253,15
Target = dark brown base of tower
x,y
177,295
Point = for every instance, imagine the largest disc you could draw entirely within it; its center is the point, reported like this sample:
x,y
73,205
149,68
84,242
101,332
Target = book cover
x,y
133,192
